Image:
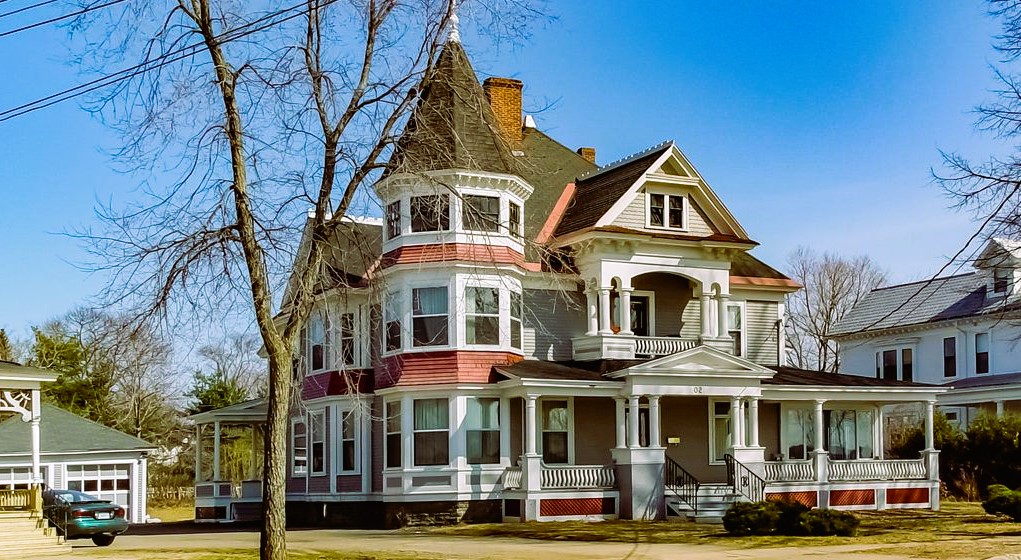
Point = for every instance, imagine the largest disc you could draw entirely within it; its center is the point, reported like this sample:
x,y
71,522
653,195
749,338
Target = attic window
x,y
667,211
1000,281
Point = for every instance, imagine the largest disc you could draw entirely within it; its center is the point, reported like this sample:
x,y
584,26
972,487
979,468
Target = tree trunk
x,y
273,543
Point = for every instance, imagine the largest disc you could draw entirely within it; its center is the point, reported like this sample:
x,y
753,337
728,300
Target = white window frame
x,y
499,314
451,451
511,294
785,441
989,352
387,432
411,214
957,358
685,210
355,361
712,428
317,418
516,229
343,414
389,215
500,213
499,428
296,471
411,317
322,317
743,310
540,426
393,311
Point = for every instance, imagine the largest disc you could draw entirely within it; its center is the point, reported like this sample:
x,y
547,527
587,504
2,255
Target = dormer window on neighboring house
x,y
981,353
317,342
950,356
667,211
430,213
1001,277
480,213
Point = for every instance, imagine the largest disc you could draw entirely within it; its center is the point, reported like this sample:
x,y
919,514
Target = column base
x,y
640,472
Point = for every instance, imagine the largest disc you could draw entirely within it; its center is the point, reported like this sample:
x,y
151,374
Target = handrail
x,y
682,484
743,480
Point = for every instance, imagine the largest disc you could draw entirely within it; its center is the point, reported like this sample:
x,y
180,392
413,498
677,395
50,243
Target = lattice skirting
x,y
555,507
809,498
862,497
907,496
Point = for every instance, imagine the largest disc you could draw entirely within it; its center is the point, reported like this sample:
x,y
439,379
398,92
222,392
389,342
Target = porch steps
x,y
23,535
713,500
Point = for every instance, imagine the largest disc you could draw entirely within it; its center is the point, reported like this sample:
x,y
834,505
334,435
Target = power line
x,y
26,8
153,64
60,18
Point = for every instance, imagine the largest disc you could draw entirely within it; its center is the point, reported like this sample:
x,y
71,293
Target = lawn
x,y
961,529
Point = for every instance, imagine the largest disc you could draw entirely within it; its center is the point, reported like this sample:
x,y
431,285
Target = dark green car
x,y
77,515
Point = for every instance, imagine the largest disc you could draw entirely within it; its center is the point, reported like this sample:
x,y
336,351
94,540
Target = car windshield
x,y
75,497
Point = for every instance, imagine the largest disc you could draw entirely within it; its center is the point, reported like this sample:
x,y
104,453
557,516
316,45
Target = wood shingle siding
x,y
551,319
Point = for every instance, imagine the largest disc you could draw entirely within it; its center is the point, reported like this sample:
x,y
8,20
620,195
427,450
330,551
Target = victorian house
x,y
527,335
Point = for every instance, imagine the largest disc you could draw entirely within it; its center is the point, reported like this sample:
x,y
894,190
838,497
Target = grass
x,y
960,529
168,513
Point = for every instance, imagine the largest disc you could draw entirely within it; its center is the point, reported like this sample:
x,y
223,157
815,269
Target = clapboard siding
x,y
760,322
673,296
551,319
633,216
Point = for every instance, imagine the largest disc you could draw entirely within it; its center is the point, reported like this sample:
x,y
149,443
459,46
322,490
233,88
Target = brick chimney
x,y
588,153
504,96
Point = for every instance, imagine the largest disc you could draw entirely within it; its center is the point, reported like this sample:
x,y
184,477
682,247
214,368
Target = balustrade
x,y
578,476
662,345
789,471
907,469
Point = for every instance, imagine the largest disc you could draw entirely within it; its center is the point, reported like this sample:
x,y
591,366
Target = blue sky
x,y
816,122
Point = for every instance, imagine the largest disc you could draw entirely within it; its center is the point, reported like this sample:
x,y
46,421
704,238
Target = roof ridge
x,y
624,160
926,281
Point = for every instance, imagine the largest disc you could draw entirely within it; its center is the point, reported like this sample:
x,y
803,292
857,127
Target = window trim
x,y
988,353
387,433
900,347
440,222
296,472
343,413
519,329
712,427
541,427
946,357
355,361
466,215
685,210
498,315
393,312
324,319
415,431
499,429
314,417
446,315
392,217
744,325
515,229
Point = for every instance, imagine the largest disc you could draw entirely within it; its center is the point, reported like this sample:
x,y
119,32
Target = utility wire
x,y
60,18
26,8
153,64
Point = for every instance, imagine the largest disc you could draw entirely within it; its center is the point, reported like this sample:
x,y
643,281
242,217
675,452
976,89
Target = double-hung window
x,y
888,362
981,352
430,213
317,425
483,430
429,316
480,213
721,437
432,436
514,224
393,220
392,322
299,448
348,431
318,342
347,339
515,319
554,431
667,211
393,434
950,356
482,315
735,327
1000,280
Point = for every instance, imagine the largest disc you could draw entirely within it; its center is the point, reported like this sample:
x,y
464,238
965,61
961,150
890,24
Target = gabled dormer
x,y
1000,265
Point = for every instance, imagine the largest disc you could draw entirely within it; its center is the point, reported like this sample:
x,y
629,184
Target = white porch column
x,y
736,422
530,424
881,433
753,422
707,325
625,310
930,440
818,419
632,422
36,472
654,438
999,409
198,452
820,457
407,432
592,304
721,315
621,403
604,311
216,450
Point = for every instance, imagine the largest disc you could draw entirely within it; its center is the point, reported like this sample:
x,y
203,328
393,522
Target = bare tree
x,y
262,111
833,285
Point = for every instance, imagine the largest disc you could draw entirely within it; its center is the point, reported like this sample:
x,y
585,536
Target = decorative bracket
x,y
17,402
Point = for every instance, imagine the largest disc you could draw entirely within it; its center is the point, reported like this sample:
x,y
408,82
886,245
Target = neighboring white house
x,y
959,331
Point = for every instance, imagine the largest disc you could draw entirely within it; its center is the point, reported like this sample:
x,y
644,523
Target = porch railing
x,y
662,345
682,484
789,471
744,480
15,500
578,476
901,469
512,477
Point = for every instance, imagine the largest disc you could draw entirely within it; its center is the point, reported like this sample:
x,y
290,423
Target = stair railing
x,y
681,483
743,480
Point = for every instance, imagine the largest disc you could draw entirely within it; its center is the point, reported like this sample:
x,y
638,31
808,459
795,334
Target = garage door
x,y
107,482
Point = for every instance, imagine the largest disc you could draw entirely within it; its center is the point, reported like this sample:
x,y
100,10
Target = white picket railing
x,y
662,345
512,477
905,469
578,476
789,471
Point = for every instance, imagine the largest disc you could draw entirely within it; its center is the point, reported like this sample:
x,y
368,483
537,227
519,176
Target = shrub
x,y
1003,501
787,518
752,518
823,522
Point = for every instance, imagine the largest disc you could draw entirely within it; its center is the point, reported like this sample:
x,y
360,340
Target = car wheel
x,y
103,540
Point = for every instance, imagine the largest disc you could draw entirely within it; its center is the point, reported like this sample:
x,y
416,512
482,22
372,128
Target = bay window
x,y
299,448
348,431
514,224
554,431
317,422
347,339
430,213
515,320
393,219
483,430
429,316
482,315
393,434
392,323
480,213
318,341
431,432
